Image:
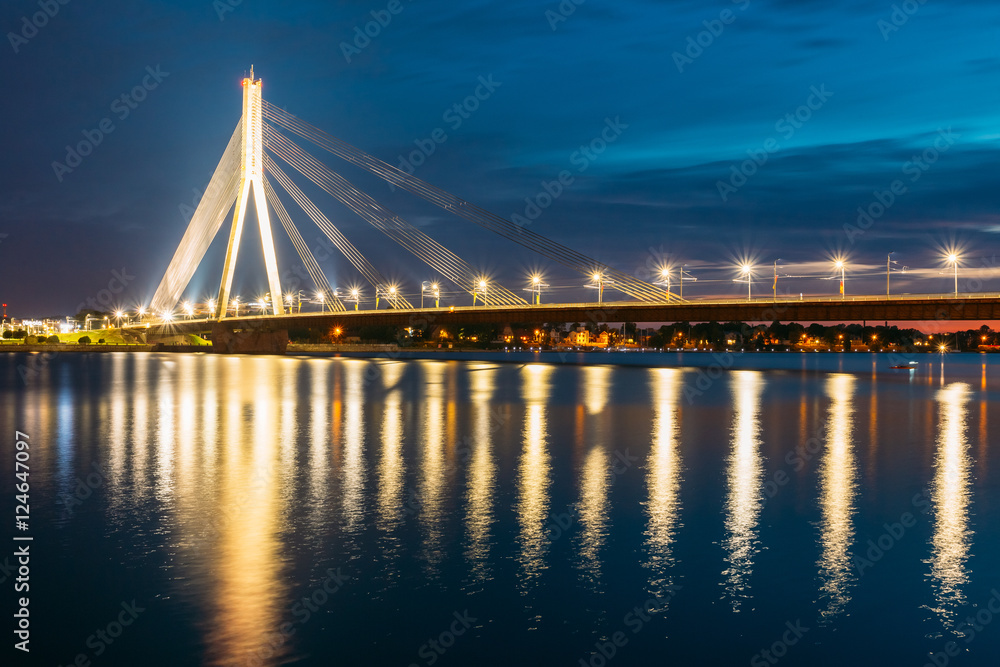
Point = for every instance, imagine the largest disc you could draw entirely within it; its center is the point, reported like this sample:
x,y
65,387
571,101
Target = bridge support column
x,y
248,340
252,170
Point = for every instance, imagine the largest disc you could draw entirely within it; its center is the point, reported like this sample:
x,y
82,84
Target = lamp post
x,y
953,260
536,288
664,280
774,287
840,265
747,270
356,298
888,268
437,294
483,286
683,271
599,279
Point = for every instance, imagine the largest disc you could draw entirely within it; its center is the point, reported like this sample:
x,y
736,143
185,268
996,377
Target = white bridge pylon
x,y
240,171
251,175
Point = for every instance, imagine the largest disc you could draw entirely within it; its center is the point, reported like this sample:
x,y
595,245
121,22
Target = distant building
x,y
583,338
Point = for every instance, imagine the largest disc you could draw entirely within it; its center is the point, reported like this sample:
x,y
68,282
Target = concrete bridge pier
x,y
248,338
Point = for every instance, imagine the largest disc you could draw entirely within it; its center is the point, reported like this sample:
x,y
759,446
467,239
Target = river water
x,y
227,510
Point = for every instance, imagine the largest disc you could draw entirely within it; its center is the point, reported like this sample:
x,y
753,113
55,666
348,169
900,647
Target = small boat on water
x,y
909,366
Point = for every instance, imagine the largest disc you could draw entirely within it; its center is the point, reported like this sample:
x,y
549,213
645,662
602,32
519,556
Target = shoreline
x,y
707,363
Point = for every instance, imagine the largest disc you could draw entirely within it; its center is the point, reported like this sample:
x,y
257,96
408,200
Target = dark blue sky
x,y
872,88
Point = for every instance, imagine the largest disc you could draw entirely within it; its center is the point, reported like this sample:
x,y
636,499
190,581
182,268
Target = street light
x,y
599,280
118,317
392,295
889,261
483,287
428,286
188,309
665,279
355,297
536,289
747,270
888,264
775,286
953,260
322,301
684,273
236,305
839,264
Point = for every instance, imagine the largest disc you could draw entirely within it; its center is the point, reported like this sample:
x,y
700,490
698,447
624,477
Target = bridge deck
x,y
916,308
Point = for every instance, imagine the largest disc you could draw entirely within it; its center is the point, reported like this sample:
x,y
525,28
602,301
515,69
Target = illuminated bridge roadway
x,y
925,308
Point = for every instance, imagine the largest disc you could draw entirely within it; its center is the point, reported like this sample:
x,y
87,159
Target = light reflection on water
x,y
837,490
353,466
532,507
481,485
248,476
244,562
663,480
431,486
743,500
596,474
950,498
391,469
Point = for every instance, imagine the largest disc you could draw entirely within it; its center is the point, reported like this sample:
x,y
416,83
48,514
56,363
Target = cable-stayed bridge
x,y
251,163
264,145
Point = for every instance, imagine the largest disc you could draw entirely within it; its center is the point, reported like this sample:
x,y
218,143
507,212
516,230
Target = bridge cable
x,y
211,212
517,233
390,224
405,234
364,267
312,266
428,249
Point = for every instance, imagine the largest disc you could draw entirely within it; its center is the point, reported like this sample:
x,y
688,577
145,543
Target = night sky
x,y
830,103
